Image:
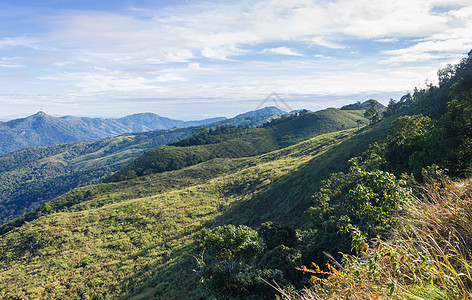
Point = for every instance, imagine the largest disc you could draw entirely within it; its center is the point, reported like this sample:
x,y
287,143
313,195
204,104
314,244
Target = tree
x,y
372,114
226,263
358,123
361,200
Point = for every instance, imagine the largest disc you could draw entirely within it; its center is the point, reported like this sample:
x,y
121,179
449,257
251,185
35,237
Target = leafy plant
x,y
226,263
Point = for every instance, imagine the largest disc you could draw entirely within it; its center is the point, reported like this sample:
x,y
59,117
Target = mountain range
x,y
42,130
245,175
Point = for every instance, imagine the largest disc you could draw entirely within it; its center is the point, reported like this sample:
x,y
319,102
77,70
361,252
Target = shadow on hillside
x,y
286,199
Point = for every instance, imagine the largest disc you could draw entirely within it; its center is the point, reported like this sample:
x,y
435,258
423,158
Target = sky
x,y
196,59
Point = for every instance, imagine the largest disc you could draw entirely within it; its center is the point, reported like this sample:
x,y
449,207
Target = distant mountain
x,y
266,110
365,105
32,176
42,130
258,116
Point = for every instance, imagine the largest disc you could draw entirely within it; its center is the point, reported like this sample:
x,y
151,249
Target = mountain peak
x,y
41,114
266,110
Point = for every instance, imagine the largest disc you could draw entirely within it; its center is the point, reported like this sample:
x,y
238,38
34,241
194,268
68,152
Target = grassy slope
x,y
282,133
133,238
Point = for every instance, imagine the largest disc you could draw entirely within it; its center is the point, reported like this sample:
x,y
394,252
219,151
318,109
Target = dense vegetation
x,y
406,247
367,213
33,176
366,105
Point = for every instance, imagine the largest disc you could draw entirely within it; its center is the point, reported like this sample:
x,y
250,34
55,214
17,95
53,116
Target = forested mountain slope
x,y
32,176
42,130
273,135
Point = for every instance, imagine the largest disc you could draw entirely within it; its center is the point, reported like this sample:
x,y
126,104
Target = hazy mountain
x,y
41,130
365,105
258,116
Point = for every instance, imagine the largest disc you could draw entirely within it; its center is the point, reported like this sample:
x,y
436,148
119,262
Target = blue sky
x,y
195,59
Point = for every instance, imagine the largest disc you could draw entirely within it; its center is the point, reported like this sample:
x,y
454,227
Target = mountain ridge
x,y
42,130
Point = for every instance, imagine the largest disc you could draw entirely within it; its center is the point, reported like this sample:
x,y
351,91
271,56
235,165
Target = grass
x,y
428,256
33,176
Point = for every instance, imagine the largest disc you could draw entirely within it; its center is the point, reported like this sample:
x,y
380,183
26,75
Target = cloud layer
x,y
234,50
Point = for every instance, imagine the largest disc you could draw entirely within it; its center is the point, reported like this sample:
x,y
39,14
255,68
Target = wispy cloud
x,y
282,51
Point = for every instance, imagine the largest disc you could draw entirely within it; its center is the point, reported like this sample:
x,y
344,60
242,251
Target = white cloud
x,y
282,51
325,43
387,40
220,30
441,46
168,77
8,63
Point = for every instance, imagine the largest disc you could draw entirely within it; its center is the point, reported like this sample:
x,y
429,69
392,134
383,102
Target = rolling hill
x,y
32,176
135,236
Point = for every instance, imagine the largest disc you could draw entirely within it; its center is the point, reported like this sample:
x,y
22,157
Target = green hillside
x,y
218,183
277,133
133,237
33,176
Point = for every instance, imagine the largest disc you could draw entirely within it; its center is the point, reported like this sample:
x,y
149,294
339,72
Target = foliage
x,y
206,136
365,105
373,111
376,197
428,255
359,203
229,242
234,262
276,235
416,142
407,144
226,262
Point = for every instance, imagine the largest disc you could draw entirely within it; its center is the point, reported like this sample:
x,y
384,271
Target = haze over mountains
x,y
42,130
